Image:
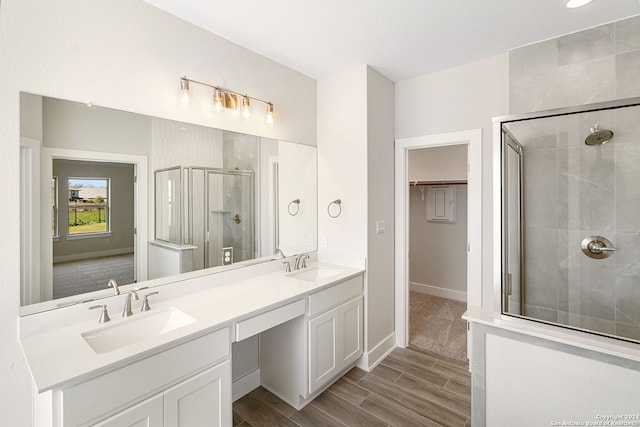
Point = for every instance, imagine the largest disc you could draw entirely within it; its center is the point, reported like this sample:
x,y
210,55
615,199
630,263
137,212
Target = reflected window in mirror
x,y
88,205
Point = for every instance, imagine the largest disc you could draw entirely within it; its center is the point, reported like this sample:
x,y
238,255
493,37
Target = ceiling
x,y
399,38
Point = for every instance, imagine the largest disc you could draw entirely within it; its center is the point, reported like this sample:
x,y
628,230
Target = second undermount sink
x,y
130,331
313,274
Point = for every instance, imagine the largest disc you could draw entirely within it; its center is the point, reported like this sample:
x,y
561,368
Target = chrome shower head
x,y
598,136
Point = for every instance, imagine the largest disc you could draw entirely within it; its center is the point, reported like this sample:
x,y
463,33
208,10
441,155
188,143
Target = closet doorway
x,y
438,249
446,191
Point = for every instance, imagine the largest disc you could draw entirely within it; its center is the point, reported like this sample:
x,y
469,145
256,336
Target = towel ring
x,y
335,202
296,204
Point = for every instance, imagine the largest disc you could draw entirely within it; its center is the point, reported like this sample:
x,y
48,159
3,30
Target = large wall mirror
x,y
107,194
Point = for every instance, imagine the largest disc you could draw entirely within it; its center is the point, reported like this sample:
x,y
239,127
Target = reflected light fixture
x,y
224,99
572,4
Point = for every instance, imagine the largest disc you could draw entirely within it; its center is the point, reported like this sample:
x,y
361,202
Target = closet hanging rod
x,y
451,182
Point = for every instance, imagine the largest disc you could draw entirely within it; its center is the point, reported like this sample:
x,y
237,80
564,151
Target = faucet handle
x,y
104,316
287,266
145,301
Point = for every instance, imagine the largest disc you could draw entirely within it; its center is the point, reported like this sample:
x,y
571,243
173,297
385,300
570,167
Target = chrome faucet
x,y
113,284
301,261
126,312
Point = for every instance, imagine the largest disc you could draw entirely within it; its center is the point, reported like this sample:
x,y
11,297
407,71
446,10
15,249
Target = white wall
x,y
460,98
530,386
355,164
438,163
121,196
126,55
380,193
342,161
438,263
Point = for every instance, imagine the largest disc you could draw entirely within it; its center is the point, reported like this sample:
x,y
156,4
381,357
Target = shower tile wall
x,y
597,64
572,191
581,190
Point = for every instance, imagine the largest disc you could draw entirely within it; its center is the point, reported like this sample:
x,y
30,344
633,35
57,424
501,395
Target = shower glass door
x,y
230,222
571,218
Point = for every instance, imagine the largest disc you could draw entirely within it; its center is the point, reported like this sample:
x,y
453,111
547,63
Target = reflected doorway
x,y
92,225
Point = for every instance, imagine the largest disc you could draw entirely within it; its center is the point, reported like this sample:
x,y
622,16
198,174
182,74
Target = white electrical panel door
x,y
441,203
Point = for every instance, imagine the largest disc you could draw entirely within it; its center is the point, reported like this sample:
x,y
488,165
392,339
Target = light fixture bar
x,y
185,79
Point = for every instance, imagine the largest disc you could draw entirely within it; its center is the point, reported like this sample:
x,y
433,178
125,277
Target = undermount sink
x,y
130,331
313,274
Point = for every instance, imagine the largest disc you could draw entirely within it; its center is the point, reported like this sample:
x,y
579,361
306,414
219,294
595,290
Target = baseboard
x,y
438,292
245,384
371,359
89,255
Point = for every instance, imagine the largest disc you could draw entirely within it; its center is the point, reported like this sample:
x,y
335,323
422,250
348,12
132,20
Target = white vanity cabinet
x,y
302,357
186,385
335,337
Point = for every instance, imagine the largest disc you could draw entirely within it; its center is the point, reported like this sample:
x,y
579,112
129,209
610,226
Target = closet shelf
x,y
450,182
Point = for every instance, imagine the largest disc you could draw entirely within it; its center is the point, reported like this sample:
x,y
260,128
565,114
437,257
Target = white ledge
x,y
584,340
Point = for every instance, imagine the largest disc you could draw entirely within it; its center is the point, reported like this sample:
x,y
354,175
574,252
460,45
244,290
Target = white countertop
x,y
57,354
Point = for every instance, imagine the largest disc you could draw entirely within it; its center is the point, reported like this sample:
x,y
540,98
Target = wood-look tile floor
x,y
411,387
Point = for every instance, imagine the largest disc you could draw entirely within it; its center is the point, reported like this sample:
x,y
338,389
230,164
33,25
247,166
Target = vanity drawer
x,y
331,297
117,390
254,325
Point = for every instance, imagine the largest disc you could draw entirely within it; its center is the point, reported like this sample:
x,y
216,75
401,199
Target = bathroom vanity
x,y
171,365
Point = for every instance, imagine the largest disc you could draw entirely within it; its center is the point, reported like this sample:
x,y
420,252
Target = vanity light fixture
x,y
572,4
246,107
224,99
268,120
218,102
184,93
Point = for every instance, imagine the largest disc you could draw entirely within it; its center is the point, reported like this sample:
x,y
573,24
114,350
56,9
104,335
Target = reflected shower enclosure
x,y
571,218
208,211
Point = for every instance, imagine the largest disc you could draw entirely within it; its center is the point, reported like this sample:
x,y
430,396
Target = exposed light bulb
x,y
218,101
572,4
246,107
184,93
268,120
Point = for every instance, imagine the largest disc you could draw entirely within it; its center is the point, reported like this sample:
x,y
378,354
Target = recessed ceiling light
x,y
572,4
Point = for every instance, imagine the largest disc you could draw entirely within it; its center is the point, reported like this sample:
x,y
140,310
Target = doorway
x,y
135,164
438,249
92,225
472,139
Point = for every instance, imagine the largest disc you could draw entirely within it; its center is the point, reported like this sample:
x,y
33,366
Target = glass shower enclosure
x,y
211,210
571,218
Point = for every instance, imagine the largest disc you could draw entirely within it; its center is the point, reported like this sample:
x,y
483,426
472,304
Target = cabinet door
x,y
145,414
203,400
351,334
322,349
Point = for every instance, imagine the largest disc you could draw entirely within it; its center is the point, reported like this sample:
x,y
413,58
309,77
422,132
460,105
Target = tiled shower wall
x,y
597,64
573,190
